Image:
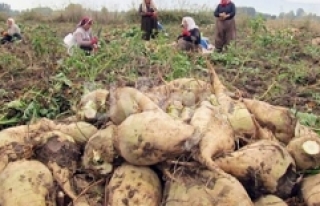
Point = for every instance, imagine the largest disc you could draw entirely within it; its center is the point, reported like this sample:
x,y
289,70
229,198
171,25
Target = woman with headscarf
x,y
83,35
13,33
191,36
225,24
149,19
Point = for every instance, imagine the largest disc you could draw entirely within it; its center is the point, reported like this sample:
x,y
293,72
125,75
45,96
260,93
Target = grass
x,y
264,63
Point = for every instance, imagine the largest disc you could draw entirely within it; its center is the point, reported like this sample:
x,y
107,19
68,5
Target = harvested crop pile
x,y
187,143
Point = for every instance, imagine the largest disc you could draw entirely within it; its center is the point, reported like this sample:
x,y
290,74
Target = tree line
x,y
250,11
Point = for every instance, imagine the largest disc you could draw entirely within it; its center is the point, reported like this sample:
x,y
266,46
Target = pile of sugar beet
x,y
186,142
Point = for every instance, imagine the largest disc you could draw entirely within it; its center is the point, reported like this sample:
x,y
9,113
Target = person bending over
x,y
191,37
12,34
83,36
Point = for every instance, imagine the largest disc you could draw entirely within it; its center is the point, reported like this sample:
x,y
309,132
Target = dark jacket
x,y
148,23
195,36
148,10
228,9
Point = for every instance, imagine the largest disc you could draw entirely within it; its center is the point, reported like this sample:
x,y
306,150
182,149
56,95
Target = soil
x,y
16,83
299,95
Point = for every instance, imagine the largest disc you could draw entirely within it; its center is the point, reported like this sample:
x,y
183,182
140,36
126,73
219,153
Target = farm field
x,y
276,65
269,66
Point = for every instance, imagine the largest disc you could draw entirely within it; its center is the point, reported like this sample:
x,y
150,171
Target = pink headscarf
x,y
84,21
225,2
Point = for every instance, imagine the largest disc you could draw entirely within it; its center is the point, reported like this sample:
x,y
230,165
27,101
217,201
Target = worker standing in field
x,y
149,19
225,24
83,36
13,33
190,38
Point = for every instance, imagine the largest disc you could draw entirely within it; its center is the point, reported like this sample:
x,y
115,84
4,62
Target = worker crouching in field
x,y
190,38
12,34
225,24
83,36
149,19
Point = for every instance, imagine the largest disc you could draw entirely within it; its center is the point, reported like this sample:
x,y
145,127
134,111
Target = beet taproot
x,y
238,115
217,134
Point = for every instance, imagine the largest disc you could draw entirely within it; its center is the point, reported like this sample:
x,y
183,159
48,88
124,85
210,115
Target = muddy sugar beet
x,y
127,101
204,187
311,189
151,137
25,183
264,167
279,120
306,152
99,152
134,185
92,104
18,142
305,148
270,200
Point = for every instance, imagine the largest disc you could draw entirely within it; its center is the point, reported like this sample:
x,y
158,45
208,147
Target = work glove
x,y
94,40
185,33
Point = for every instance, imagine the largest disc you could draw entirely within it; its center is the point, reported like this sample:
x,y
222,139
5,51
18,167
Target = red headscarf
x,y
84,21
225,2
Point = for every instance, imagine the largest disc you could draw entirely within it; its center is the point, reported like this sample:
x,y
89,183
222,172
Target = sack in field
x,y
69,42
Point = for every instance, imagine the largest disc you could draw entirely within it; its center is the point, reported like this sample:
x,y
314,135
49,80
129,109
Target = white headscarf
x,y
152,5
191,24
12,21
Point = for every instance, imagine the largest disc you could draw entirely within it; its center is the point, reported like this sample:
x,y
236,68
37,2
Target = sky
x,y
265,6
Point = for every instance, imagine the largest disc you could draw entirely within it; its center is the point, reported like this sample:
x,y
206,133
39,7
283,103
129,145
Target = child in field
x,y
83,36
12,34
191,37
